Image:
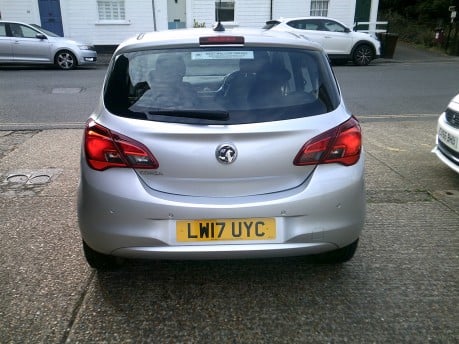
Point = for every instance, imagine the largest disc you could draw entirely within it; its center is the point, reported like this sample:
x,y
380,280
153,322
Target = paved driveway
x,y
402,285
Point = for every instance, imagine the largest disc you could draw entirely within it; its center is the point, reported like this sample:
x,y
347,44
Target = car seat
x,y
237,86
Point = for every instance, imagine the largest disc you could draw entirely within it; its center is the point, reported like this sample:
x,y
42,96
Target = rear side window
x,y
220,85
313,25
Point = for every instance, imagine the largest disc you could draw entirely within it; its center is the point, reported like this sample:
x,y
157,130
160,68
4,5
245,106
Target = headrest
x,y
169,66
275,74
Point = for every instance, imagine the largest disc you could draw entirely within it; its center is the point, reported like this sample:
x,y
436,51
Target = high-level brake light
x,y
219,40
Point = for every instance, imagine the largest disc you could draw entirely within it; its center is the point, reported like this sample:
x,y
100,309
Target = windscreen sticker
x,y
221,55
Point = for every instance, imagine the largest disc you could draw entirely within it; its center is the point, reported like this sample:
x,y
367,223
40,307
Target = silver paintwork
x,y
132,213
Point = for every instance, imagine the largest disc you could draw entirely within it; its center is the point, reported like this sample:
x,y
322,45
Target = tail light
x,y
341,145
105,149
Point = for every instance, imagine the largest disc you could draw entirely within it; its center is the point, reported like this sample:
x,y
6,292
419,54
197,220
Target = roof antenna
x,y
219,27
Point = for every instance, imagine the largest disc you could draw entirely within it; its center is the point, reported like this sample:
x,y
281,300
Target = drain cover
x,y
34,177
17,178
27,182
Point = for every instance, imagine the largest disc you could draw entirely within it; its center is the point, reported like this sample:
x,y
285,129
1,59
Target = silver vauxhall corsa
x,y
220,144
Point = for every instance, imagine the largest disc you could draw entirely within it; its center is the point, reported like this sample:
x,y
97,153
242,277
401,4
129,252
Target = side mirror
x,y
41,36
347,30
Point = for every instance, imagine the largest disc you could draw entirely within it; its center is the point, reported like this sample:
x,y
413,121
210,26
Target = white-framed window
x,y
319,8
224,10
111,9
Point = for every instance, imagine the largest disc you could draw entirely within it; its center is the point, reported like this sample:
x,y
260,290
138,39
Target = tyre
x,y
363,54
338,256
99,261
339,62
65,60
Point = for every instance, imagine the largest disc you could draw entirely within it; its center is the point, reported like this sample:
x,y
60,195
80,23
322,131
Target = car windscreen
x,y
231,85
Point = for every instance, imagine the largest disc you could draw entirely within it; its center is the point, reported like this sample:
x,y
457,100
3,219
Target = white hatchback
x,y
340,42
447,148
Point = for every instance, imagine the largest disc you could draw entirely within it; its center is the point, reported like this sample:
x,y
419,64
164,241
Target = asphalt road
x,y
401,287
414,82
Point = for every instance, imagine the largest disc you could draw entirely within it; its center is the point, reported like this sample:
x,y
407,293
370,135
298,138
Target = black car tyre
x,y
99,261
338,256
339,62
363,54
65,60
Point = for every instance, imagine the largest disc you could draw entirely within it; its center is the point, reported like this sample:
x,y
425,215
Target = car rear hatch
x,y
224,161
222,118
213,161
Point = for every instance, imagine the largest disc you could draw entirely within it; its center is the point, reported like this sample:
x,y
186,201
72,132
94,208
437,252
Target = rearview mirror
x,y
41,36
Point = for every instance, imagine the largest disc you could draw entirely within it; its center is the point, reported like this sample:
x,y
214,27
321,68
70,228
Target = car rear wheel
x,y
339,62
363,55
65,60
338,256
99,260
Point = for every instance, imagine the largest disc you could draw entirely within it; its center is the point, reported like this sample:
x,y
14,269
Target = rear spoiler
x,y
270,24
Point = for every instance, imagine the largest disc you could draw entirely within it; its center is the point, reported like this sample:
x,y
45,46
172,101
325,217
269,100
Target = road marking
x,y
67,90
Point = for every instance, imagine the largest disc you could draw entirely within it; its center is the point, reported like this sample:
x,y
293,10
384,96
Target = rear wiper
x,y
216,115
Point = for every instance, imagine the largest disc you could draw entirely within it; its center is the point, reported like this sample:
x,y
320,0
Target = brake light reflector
x,y
213,40
105,149
342,145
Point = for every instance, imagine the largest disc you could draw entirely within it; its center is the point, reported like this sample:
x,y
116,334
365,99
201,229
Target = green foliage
x,y
419,10
423,32
433,9
409,30
197,24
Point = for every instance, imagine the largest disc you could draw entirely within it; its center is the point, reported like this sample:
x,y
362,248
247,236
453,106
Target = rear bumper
x,y
224,251
131,220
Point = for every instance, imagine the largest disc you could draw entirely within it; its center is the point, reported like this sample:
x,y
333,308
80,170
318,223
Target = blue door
x,y
50,16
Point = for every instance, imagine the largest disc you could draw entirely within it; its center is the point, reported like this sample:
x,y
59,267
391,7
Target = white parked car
x,y
447,148
340,42
22,43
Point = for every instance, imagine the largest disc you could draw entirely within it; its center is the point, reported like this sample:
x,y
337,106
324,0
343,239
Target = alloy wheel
x,y
65,60
363,55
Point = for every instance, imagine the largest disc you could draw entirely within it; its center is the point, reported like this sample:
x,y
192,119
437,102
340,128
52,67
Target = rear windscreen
x,y
220,85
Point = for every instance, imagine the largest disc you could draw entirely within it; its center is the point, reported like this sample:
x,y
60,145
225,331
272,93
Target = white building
x,y
108,22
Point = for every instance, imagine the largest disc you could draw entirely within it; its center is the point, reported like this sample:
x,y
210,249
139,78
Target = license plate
x,y
226,229
447,138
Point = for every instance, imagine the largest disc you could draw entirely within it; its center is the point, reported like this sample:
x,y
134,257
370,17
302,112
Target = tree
x,y
419,10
